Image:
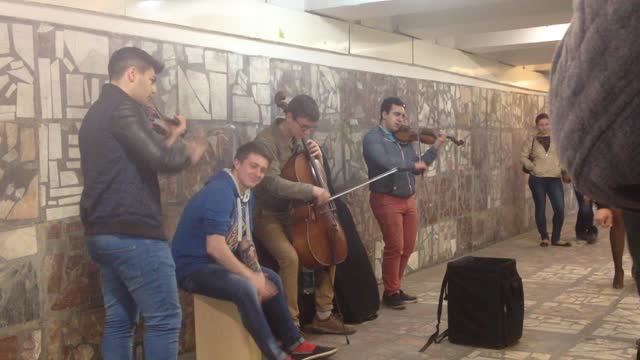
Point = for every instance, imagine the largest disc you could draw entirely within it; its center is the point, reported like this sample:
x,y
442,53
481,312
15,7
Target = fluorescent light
x,y
148,4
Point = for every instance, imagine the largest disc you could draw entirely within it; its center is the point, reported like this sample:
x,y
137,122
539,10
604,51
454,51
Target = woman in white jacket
x,y
545,180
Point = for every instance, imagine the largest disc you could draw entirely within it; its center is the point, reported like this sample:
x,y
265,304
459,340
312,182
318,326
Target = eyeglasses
x,y
305,128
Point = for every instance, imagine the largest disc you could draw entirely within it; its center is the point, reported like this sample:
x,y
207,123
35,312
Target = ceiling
x,y
514,32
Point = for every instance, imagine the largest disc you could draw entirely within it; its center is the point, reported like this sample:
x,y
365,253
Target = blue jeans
x,y
215,281
584,222
137,274
541,187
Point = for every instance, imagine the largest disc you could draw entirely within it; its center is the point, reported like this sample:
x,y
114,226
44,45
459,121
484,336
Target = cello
x,y
315,231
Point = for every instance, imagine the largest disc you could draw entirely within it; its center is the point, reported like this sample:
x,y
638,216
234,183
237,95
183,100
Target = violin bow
x,y
389,172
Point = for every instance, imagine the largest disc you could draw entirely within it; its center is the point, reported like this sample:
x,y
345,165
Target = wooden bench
x,y
220,333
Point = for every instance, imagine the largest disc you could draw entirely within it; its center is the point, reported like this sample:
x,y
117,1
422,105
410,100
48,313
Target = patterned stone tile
x,y
77,336
60,175
586,299
428,105
18,243
19,190
8,345
561,274
19,294
505,354
31,347
623,322
572,310
554,324
602,349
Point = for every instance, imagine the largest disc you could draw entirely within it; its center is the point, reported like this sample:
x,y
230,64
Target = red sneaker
x,y
309,351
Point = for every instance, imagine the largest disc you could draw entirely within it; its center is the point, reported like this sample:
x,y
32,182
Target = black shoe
x,y
561,243
393,301
408,299
312,351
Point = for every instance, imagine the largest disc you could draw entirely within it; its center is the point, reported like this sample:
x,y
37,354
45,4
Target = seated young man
x,y
215,257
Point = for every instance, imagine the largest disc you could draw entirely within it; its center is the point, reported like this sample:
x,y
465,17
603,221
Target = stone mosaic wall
x,y
50,301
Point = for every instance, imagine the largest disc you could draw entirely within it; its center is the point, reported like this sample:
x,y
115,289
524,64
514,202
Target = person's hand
x,y
266,289
175,131
420,167
195,147
320,195
604,218
259,281
314,150
181,128
441,139
566,179
270,290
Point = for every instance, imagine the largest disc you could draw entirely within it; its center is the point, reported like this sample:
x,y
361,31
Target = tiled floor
x,y
572,312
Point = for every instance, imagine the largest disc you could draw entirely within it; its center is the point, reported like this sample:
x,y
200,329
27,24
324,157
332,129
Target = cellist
x,y
272,200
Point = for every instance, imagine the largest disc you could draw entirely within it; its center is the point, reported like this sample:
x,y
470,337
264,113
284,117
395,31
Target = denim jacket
x,y
382,152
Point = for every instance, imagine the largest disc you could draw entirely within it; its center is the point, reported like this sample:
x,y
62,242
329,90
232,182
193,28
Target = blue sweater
x,y
212,211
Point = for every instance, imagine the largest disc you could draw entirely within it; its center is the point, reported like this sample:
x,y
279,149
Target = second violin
x,y
427,136
160,122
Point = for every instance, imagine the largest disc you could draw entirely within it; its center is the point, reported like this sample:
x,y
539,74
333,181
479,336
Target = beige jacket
x,y
274,193
543,163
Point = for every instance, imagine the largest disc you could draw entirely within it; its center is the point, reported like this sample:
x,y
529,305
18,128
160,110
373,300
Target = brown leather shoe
x,y
332,325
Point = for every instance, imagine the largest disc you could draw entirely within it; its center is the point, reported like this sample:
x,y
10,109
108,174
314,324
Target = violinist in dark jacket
x,y
120,207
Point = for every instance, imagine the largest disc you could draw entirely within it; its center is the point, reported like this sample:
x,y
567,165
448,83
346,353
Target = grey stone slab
x,y
25,101
18,243
23,42
55,142
191,92
4,61
244,109
90,52
215,61
62,212
22,74
46,98
5,41
75,90
56,93
194,55
218,84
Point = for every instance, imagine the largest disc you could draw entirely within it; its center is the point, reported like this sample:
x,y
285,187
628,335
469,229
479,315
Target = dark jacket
x,y
382,154
594,103
121,156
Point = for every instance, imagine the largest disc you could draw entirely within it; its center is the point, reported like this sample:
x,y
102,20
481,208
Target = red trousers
x,y
398,220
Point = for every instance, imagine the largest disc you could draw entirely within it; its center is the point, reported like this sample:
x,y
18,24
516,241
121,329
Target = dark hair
x,y
388,102
252,147
541,116
304,106
126,57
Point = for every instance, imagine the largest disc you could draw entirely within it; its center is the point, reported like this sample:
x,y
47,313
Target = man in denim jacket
x,y
392,198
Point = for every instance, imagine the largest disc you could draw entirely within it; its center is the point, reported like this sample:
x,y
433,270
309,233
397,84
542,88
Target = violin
x,y
160,123
315,232
427,136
